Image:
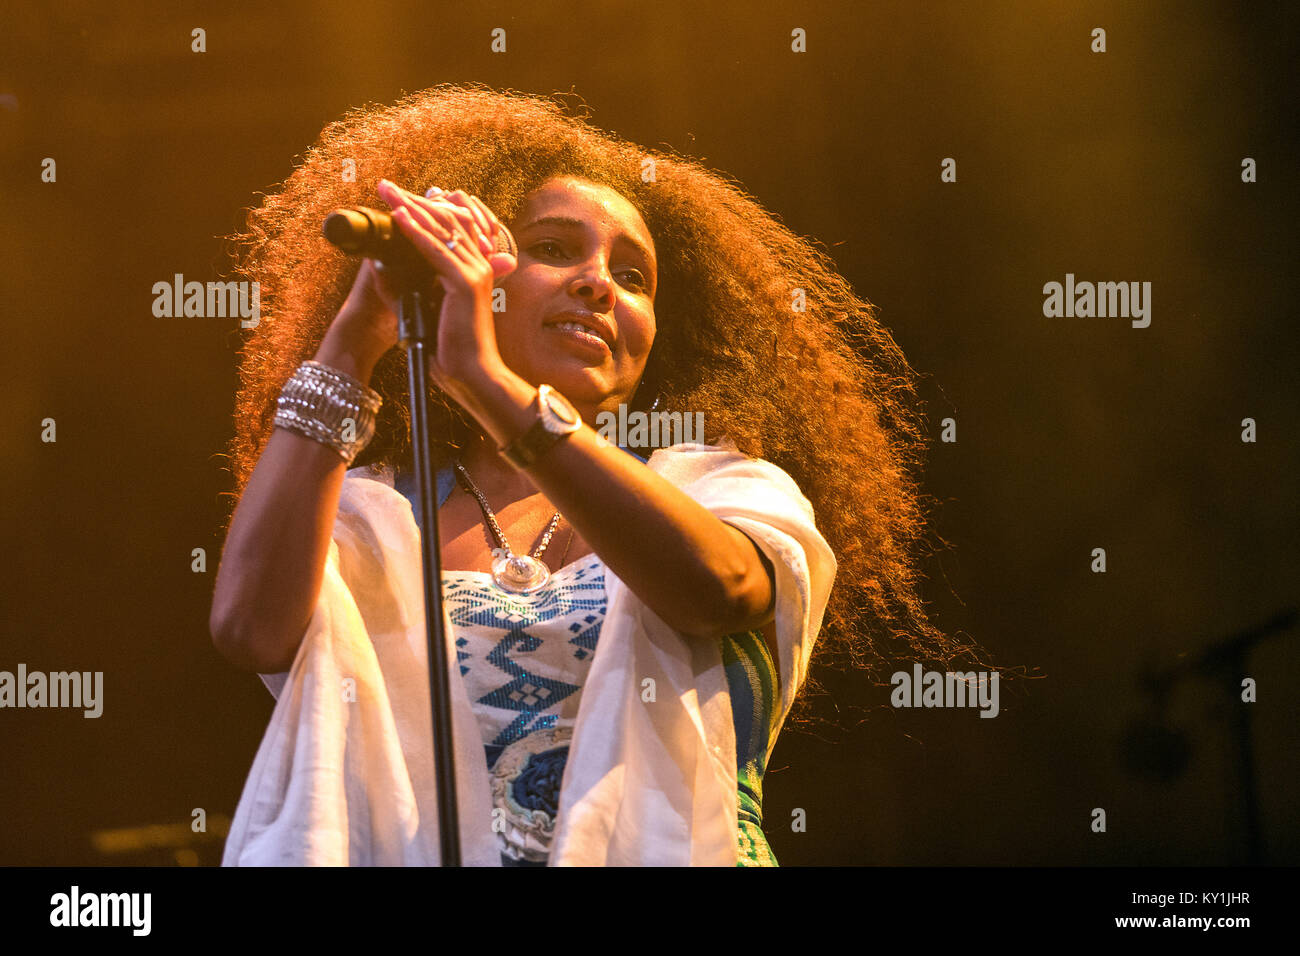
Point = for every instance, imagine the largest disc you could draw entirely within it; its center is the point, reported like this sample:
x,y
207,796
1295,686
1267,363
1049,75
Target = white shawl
x,y
344,774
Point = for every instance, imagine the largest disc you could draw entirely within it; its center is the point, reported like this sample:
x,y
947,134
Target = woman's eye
x,y
552,249
548,244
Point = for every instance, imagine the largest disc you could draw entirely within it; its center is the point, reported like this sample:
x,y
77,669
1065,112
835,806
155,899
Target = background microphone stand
x,y
1153,747
372,234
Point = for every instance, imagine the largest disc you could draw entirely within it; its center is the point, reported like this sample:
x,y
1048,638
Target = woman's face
x,y
585,258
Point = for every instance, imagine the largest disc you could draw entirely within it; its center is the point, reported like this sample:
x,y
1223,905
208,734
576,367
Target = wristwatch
x,y
556,418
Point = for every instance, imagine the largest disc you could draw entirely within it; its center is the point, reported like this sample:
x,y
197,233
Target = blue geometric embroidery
x,y
529,694
462,656
586,638
520,636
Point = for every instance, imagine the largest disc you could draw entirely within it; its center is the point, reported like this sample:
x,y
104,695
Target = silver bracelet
x,y
330,407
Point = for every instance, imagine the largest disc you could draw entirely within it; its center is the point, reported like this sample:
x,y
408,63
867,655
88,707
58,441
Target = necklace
x,y
519,573
567,545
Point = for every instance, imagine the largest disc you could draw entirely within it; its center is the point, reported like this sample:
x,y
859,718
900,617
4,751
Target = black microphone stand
x,y
417,333
366,232
363,231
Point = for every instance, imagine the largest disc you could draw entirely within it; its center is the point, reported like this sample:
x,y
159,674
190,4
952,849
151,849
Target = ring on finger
x,y
454,236
468,215
446,234
444,220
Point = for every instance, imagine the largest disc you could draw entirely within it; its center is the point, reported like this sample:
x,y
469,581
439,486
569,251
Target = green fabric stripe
x,y
753,684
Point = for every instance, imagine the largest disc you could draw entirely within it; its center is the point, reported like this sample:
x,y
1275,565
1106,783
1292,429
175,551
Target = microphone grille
x,y
505,242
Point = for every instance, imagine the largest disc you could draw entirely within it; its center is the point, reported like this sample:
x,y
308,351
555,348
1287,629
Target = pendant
x,y
520,573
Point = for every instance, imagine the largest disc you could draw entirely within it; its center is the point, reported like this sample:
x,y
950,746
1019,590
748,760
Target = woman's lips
x,y
574,332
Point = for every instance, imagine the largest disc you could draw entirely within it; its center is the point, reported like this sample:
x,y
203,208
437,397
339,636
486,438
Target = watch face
x,y
559,406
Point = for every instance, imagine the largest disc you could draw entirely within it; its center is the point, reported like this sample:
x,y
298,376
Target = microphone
x,y
360,231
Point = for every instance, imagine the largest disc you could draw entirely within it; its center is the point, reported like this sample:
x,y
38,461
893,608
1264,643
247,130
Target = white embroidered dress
x,y
343,781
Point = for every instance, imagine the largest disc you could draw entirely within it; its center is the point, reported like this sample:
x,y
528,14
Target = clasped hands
x,y
454,233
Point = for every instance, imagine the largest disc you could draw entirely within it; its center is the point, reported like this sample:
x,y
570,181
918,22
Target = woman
x,y
627,683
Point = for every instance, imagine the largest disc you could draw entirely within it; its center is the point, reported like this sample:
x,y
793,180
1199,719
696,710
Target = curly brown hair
x,y
824,392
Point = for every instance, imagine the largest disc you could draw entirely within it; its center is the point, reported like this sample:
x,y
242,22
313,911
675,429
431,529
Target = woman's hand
x,y
454,233
366,326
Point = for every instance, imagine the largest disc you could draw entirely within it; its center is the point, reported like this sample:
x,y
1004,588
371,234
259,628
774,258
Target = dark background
x,y
1072,433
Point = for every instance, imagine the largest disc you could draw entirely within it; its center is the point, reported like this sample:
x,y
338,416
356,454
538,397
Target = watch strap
x,y
528,447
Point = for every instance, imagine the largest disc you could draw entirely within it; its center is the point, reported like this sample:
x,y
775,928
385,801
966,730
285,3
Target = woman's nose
x,y
595,282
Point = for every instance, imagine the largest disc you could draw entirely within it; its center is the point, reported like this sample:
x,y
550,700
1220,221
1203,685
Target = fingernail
x,y
432,191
